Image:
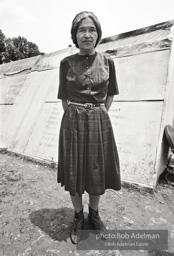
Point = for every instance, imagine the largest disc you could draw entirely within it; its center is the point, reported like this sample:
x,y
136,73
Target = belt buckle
x,y
88,105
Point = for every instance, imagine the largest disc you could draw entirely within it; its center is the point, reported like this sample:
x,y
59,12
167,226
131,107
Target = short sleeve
x,y
62,91
113,86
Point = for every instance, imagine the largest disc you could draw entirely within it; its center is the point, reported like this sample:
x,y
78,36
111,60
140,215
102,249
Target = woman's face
x,y
87,36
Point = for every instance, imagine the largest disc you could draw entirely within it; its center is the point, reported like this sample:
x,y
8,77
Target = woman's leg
x,y
93,216
78,224
77,202
94,202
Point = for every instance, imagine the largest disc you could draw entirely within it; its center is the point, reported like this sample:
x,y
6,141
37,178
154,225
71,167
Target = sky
x,y
48,23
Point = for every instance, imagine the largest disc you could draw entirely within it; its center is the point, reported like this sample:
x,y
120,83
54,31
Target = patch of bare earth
x,y
36,213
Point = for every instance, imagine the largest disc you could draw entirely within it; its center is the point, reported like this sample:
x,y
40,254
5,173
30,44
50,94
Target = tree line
x,y
16,48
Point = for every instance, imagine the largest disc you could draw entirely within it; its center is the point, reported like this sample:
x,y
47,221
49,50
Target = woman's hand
x,y
108,102
64,104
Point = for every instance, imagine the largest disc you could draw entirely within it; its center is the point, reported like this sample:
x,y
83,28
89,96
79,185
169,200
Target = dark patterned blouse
x,y
87,78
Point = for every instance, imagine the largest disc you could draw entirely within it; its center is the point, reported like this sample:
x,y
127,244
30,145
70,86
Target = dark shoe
x,y
95,221
77,227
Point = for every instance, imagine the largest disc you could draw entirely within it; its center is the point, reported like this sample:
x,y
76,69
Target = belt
x,y
86,105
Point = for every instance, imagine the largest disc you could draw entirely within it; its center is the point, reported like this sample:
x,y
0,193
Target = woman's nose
x,y
87,34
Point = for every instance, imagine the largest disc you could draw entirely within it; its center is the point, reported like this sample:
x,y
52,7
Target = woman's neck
x,y
82,52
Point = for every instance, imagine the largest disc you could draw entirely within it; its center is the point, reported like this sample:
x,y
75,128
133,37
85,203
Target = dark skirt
x,y
88,158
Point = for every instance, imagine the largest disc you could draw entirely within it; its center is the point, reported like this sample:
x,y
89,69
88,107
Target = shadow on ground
x,y
54,222
159,253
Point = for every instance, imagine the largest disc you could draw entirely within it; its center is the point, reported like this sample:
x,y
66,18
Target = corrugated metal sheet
x,y
30,113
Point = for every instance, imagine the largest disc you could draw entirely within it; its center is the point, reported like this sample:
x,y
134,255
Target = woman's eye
x,y
90,30
81,30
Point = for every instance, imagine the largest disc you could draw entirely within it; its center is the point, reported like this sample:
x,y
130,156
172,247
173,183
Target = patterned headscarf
x,y
76,23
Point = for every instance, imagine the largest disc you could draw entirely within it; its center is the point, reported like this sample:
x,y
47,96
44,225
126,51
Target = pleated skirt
x,y
88,159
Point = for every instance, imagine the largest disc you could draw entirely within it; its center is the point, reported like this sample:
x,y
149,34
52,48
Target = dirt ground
x,y
36,213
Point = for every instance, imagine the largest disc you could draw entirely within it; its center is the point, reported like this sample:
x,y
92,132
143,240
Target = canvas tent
x,y
30,113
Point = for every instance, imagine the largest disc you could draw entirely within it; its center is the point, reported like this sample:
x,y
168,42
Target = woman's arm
x,y
108,102
64,104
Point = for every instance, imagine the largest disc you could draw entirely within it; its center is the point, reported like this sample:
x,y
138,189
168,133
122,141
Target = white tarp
x,y
30,113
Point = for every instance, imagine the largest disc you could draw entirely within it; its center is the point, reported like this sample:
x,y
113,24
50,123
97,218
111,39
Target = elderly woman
x,y
88,159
